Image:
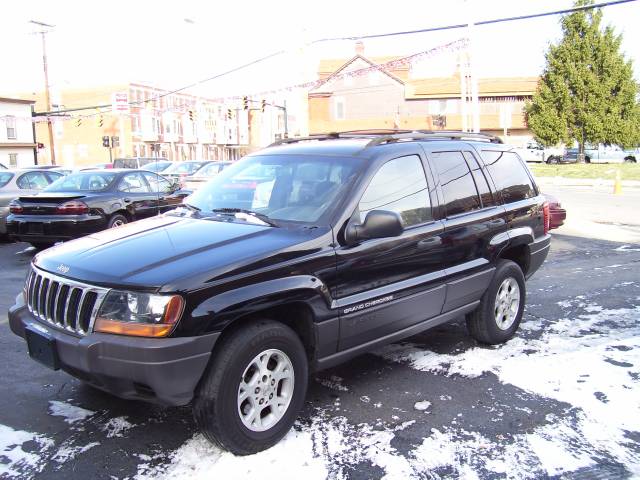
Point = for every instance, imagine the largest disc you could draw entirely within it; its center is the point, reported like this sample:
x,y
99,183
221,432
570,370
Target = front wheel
x,y
629,160
500,311
253,389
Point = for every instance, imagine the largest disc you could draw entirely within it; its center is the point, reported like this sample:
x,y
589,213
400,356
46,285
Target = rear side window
x,y
481,181
456,181
509,174
33,181
399,186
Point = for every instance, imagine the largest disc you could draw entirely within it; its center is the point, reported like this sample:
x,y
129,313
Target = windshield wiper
x,y
193,208
260,216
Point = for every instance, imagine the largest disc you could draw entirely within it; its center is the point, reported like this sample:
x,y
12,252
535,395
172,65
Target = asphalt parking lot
x,y
561,400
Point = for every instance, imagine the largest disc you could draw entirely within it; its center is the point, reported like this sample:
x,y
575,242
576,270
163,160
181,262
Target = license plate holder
x,y
35,228
42,348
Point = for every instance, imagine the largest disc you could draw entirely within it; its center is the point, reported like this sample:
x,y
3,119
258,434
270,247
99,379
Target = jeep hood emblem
x,y
62,268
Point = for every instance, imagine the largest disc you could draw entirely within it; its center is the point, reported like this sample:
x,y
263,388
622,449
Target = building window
x,y
13,159
339,108
11,128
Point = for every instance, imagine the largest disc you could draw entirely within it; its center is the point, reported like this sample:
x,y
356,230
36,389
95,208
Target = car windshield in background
x,y
287,187
156,166
183,167
5,177
208,170
83,182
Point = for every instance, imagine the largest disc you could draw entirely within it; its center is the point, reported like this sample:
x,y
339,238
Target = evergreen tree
x,y
587,92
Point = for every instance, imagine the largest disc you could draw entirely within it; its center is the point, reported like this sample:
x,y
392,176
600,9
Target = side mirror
x,y
377,224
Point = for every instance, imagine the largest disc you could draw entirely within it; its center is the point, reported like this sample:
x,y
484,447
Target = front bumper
x,y
164,370
41,228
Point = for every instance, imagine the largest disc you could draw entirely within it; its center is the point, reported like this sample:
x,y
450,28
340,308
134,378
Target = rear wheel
x,y
117,220
253,389
552,159
500,311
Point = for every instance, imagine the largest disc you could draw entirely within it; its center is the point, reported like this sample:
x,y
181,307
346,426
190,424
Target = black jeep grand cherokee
x,y
294,259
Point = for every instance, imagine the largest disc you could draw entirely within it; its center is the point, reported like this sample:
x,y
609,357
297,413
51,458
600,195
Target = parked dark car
x,y
557,214
293,259
87,202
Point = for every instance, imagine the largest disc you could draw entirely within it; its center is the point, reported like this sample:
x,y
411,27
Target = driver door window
x,y
399,186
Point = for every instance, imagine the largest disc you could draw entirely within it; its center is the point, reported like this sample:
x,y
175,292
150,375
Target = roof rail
x,y
382,136
434,135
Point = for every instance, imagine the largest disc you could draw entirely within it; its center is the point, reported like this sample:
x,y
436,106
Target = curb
x,y
584,182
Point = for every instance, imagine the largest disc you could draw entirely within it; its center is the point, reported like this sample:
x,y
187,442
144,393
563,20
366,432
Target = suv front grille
x,y
63,303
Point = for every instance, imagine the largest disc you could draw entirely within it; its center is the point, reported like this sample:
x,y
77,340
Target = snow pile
x,y
69,452
334,382
15,461
70,413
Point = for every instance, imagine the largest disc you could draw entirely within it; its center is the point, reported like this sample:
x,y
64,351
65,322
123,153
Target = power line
x,y
351,38
482,22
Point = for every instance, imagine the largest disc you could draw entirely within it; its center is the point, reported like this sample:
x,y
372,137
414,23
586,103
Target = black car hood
x,y
172,252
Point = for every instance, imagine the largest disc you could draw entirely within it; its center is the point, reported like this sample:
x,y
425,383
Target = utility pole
x,y
47,97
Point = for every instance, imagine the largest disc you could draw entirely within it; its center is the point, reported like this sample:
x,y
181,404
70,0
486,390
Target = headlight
x,y
139,314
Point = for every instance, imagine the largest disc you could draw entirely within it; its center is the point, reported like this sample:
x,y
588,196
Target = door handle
x,y
429,242
498,221
127,200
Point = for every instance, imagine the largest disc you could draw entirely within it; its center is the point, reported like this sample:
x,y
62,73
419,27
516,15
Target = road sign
x,y
120,102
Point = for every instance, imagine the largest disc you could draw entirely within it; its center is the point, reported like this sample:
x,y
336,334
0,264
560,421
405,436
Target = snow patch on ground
x,y
16,459
115,427
334,383
70,413
422,406
69,452
586,361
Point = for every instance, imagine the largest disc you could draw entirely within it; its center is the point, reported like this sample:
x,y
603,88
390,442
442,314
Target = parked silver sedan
x,y
15,183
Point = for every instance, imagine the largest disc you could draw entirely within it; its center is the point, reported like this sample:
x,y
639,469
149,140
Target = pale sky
x,y
150,41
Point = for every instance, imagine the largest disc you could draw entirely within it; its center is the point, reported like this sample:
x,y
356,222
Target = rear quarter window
x,y
5,178
509,175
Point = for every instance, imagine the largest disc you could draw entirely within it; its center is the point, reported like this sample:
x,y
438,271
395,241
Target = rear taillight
x,y
74,207
546,217
109,165
15,207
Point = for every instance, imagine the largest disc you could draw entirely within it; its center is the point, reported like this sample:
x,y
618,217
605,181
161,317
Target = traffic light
x,y
245,103
100,121
264,105
105,141
191,115
229,114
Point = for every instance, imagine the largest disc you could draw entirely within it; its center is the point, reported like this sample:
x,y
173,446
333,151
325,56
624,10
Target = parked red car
x,y
557,214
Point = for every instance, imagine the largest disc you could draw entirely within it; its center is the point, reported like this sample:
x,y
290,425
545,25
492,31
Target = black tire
x,y
629,160
42,245
552,160
482,323
117,220
215,405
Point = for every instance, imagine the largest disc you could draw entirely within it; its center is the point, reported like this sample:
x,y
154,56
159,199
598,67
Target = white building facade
x,y
17,142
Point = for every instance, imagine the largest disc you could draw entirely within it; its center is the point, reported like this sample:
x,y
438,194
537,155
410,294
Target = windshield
x,y
156,166
287,187
4,178
84,182
183,167
209,170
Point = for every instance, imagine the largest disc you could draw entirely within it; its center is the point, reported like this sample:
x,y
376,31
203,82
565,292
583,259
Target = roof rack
x,y
382,136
